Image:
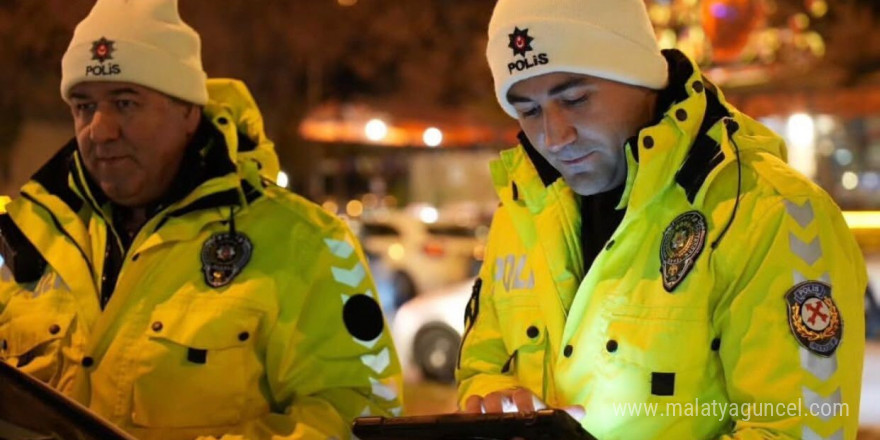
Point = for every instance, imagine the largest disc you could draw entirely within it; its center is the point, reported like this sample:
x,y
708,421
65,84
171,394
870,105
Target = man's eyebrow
x,y
124,91
574,82
557,89
513,99
114,92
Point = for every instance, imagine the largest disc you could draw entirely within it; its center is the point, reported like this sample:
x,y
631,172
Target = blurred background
x,y
383,112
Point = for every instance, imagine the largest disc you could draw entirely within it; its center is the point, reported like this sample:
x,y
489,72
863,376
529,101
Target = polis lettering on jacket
x,y
525,63
103,70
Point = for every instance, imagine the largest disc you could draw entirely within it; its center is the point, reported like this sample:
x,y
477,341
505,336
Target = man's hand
x,y
513,400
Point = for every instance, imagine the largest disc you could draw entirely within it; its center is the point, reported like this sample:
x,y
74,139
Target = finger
x,y
538,403
494,402
576,412
523,400
473,405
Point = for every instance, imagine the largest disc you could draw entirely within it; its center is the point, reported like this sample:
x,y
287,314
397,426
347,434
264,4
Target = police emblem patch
x,y
814,318
682,243
223,257
520,41
102,50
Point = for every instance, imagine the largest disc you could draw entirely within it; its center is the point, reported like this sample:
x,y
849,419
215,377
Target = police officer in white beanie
x,y
655,268
154,272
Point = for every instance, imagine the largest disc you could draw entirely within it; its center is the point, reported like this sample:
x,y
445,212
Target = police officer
x,y
653,249
154,275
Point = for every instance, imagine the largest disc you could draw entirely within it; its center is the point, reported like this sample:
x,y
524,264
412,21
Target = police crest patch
x,y
102,49
223,257
814,318
682,243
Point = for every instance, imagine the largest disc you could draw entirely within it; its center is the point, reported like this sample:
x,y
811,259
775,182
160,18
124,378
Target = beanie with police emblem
x,y
143,42
610,39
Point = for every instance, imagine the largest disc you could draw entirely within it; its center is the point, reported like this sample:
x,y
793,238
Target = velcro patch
x,y
814,318
363,317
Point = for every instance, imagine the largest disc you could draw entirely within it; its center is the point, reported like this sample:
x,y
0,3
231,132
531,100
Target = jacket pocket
x,y
659,353
33,342
525,338
195,367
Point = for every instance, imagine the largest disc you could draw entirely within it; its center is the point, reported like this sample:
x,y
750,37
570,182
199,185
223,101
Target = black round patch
x,y
363,317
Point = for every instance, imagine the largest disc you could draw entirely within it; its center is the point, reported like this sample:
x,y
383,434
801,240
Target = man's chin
x,y
121,196
586,186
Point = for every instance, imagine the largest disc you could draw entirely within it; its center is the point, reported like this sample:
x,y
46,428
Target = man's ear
x,y
193,114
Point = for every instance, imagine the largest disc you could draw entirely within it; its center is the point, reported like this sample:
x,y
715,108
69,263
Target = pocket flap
x,y
522,316
204,329
24,333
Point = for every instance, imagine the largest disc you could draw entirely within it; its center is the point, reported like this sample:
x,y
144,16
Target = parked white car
x,y
420,255
427,331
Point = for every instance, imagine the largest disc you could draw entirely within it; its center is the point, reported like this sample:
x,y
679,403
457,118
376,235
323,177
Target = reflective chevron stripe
x,y
339,248
353,277
822,368
818,366
814,401
809,252
367,344
809,434
803,215
382,390
350,277
799,277
377,362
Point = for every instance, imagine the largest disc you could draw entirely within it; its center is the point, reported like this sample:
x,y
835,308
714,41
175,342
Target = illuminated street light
x,y
282,179
429,214
801,134
432,137
330,206
354,208
376,130
849,180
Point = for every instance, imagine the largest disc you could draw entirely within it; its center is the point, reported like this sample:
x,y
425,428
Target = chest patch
x,y
814,318
683,241
224,255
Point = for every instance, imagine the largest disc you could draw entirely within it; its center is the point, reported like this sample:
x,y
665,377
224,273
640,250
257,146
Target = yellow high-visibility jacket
x,y
731,285
197,340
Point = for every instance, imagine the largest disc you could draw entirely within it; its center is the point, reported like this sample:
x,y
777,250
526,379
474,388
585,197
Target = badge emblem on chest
x,y
223,257
814,318
682,243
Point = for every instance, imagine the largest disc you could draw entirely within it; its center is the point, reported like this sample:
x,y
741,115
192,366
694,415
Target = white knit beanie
x,y
611,39
142,42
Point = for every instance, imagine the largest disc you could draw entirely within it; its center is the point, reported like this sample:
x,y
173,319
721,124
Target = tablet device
x,y
548,424
31,410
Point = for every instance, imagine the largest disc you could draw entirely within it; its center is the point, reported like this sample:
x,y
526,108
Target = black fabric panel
x,y
705,154
599,220
545,170
19,254
663,384
53,176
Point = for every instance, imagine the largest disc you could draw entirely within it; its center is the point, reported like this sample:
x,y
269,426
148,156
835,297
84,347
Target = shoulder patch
x,y
814,318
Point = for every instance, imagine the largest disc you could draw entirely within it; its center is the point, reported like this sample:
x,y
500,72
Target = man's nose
x,y
558,131
104,127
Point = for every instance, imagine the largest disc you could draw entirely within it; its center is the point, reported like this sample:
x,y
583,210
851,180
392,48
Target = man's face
x,y
131,138
580,123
